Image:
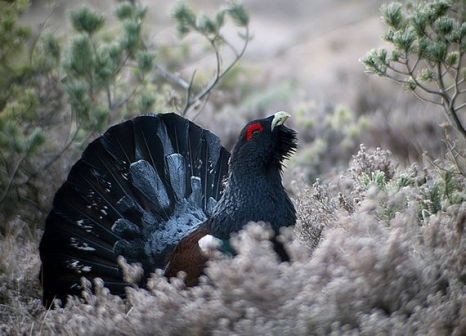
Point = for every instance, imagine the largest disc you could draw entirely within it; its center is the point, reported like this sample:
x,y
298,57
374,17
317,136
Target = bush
x,y
58,95
381,266
429,42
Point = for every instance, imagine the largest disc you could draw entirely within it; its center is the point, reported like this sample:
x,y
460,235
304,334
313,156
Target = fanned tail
x,y
136,192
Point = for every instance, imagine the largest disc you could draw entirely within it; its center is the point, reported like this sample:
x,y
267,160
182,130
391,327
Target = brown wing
x,y
188,257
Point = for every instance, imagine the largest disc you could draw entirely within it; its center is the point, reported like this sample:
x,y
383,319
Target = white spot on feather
x,y
79,268
80,245
75,286
208,244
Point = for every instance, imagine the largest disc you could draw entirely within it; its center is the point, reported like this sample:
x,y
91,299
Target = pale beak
x,y
279,118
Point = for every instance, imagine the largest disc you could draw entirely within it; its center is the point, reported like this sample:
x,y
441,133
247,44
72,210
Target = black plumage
x,y
150,188
254,191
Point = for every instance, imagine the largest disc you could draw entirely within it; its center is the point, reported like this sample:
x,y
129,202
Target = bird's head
x,y
264,144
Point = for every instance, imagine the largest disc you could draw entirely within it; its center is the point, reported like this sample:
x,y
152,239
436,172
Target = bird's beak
x,y
279,118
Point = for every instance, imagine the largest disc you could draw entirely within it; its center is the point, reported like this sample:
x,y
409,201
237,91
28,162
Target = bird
x,y
161,191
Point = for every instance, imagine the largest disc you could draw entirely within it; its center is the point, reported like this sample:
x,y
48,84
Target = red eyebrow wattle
x,y
252,128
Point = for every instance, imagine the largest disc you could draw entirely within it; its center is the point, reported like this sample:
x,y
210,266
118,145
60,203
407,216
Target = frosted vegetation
x,y
379,247
380,250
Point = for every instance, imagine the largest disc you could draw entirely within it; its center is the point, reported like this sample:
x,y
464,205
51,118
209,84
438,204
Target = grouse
x,y
157,190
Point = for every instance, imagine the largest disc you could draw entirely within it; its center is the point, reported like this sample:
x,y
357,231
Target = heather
x,y
374,258
379,246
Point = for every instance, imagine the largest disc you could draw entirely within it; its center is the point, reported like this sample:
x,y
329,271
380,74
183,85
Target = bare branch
x,y
233,49
462,106
12,178
116,106
109,97
219,73
457,156
398,71
42,27
418,95
458,70
60,153
175,78
423,87
441,83
188,102
416,63
232,64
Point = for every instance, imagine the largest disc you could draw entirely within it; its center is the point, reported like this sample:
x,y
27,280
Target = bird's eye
x,y
254,130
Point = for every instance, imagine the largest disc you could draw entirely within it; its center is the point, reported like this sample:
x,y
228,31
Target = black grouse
x,y
154,190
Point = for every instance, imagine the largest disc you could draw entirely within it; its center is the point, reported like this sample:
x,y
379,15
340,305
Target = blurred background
x,y
69,73
314,45
304,57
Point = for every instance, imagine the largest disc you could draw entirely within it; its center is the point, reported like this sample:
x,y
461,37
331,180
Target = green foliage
x,y
238,14
210,27
376,179
445,189
333,132
188,21
394,190
86,20
344,121
97,70
185,17
428,41
71,89
21,133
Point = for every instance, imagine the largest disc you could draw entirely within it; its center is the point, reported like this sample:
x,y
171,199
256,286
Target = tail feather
x,y
119,142
108,167
75,210
149,184
177,130
148,145
72,237
176,168
137,191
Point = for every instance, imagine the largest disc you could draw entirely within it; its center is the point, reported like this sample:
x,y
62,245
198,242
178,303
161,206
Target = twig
x,y
201,108
12,177
109,97
418,95
172,77
188,102
124,101
219,74
458,70
55,157
42,26
398,71
460,107
63,150
224,40
441,83
439,93
454,153
232,64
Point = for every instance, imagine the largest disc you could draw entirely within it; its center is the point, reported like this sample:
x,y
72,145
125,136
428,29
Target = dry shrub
x,y
378,266
20,302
